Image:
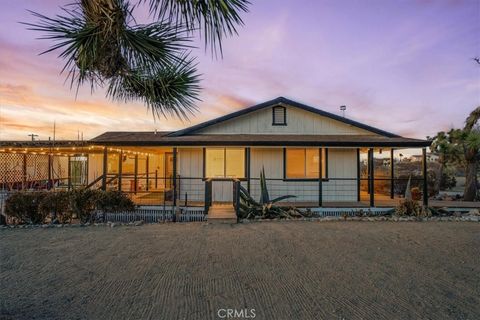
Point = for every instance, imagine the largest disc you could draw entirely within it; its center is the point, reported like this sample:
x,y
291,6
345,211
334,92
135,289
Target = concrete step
x,y
221,214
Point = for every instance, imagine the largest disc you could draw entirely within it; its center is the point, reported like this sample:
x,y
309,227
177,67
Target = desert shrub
x,y
114,201
411,208
24,206
448,180
416,193
58,205
401,183
82,203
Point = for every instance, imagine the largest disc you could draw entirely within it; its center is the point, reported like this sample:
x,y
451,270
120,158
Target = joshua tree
x,y
104,46
470,138
462,146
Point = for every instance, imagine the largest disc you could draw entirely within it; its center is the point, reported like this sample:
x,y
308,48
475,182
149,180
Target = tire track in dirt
x,y
293,270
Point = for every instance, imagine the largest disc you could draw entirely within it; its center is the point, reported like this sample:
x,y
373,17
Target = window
x,y
279,116
224,163
303,163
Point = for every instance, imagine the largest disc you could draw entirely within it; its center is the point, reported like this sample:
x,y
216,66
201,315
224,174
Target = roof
x,y
166,139
190,136
279,101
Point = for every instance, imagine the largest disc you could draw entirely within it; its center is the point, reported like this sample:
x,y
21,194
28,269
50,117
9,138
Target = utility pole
x,y
33,135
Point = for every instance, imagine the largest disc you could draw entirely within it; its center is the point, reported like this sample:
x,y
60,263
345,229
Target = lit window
x,y
279,116
303,163
225,163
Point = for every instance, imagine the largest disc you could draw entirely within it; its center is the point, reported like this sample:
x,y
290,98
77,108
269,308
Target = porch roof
x,y
164,139
42,143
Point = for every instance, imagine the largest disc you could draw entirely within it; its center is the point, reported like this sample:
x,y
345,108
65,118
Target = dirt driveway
x,y
282,270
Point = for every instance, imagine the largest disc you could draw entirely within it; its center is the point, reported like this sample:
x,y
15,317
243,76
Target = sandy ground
x,y
283,270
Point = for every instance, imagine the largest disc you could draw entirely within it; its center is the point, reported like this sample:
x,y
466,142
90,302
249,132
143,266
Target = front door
x,y
222,191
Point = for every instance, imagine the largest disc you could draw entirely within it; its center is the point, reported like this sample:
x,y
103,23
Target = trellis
x,y
26,170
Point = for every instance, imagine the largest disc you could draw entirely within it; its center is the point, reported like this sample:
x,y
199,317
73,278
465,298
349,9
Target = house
x,y
431,157
321,158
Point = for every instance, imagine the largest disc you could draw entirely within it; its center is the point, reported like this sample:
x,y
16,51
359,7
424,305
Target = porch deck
x,y
157,198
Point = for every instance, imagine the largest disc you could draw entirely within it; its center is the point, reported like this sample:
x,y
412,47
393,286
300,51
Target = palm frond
x,y
167,91
216,19
141,62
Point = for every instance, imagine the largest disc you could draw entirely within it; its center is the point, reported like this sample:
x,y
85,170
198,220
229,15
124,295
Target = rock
x,y
473,218
474,212
138,223
332,218
112,225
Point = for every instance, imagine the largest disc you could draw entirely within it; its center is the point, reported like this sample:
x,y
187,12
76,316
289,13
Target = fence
x,y
335,191
153,215
350,212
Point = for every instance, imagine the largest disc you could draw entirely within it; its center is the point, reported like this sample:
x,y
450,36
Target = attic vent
x,y
279,116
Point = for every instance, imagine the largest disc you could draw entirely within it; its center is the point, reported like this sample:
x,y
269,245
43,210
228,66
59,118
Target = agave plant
x,y
265,208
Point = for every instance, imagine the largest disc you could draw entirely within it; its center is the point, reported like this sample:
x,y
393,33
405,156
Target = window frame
x,y
244,178
325,174
274,123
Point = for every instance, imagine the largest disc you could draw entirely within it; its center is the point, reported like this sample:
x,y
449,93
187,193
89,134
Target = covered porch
x,y
168,175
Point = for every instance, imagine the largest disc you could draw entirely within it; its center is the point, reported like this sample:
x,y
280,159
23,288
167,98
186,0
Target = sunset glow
x,y
403,66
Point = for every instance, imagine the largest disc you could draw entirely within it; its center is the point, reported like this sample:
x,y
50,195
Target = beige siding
x,y
341,164
299,121
190,165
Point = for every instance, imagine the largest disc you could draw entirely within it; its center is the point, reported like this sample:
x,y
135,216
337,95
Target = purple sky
x,y
403,66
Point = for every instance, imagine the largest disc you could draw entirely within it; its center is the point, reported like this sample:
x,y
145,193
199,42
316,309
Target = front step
x,y
221,214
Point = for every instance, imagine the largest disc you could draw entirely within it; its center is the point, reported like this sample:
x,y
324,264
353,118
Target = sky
x,y
402,66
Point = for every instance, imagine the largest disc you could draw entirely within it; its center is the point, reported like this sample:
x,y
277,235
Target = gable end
x,y
284,102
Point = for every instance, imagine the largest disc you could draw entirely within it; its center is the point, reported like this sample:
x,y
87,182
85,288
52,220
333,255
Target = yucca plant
x,y
104,46
265,208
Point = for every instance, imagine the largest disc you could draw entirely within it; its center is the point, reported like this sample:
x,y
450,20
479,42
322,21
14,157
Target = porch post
x,y
120,169
146,169
425,182
135,176
50,161
105,168
69,170
247,167
358,175
174,177
372,177
320,175
392,175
